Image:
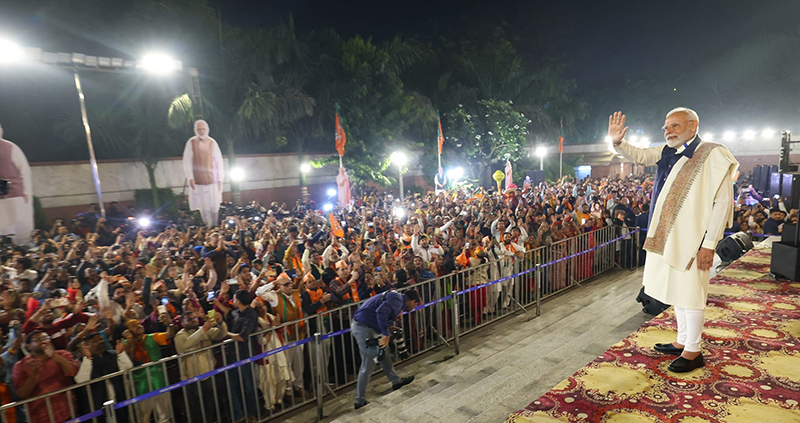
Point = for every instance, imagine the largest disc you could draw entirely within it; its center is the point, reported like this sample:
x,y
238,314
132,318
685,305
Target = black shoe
x,y
683,365
668,349
362,404
403,382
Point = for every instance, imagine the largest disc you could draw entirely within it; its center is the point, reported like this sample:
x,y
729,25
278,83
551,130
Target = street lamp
x,y
154,63
305,168
455,174
399,158
541,151
331,192
237,174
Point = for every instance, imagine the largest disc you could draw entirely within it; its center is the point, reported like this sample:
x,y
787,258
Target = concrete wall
x,y
66,188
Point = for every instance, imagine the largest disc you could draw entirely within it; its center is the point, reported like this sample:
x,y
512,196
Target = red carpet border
x,y
751,349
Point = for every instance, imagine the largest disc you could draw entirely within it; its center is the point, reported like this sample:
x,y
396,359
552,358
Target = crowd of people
x,y
93,296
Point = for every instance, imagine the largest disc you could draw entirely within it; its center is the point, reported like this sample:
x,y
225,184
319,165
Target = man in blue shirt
x,y
373,318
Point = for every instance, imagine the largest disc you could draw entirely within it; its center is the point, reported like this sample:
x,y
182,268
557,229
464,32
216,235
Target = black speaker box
x,y
790,190
785,261
537,177
774,184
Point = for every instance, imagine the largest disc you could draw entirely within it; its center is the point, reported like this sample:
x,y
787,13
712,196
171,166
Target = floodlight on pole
x,y
399,158
749,134
305,168
768,133
10,52
728,135
541,151
158,64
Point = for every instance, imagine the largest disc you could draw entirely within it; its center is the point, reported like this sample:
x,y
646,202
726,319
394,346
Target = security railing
x,y
283,368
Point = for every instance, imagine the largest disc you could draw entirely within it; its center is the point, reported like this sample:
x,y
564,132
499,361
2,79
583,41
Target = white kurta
x,y
204,197
672,277
16,214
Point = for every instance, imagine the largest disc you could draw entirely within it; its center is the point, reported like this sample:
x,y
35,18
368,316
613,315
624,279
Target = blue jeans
x,y
361,333
249,400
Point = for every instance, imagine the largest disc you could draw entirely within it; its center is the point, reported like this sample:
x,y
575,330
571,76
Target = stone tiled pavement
x,y
504,366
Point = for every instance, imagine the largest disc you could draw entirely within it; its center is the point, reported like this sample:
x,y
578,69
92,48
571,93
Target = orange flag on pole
x,y
341,138
441,134
336,227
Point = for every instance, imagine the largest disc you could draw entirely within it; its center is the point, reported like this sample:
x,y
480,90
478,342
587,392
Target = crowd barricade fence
x,y
281,369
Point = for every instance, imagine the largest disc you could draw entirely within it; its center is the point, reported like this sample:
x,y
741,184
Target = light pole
x,y
157,64
304,169
541,151
399,158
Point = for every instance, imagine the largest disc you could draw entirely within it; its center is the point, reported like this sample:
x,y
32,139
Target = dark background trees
x,y
271,78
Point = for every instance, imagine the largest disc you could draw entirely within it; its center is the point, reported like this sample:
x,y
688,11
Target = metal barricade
x,y
222,381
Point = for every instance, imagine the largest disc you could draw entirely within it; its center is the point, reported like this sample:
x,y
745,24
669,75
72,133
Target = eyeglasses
x,y
673,126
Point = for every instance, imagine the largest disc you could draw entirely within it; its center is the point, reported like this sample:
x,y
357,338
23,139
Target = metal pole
x,y
88,129
319,376
400,171
541,162
538,293
108,410
456,345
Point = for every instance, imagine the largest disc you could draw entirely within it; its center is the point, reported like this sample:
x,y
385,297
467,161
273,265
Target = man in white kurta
x,y
693,204
16,208
203,167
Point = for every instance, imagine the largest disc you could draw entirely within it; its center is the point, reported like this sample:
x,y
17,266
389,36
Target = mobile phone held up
x,y
211,295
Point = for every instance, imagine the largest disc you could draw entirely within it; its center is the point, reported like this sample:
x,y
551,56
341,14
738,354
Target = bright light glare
x,y
607,138
644,142
144,222
327,207
768,133
158,63
729,135
237,174
305,168
399,212
749,134
634,138
455,173
399,158
331,192
708,136
541,151
10,52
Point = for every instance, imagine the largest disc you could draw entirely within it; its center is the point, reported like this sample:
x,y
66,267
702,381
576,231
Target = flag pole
x,y
561,152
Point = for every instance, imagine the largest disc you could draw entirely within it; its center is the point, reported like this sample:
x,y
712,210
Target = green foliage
x,y
486,133
39,218
170,202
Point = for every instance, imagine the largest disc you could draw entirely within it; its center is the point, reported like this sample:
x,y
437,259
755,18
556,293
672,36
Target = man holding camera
x,y
374,318
16,205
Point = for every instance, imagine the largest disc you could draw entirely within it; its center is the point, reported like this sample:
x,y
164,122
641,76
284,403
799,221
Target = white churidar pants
x,y
690,327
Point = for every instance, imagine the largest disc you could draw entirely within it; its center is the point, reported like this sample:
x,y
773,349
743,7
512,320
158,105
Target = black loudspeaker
x,y
790,190
537,177
756,176
734,246
774,184
773,169
763,179
785,263
788,233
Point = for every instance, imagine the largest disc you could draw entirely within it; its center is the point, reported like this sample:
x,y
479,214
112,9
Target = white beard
x,y
675,143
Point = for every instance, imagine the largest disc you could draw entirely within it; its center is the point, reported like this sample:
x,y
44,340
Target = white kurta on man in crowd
x,y
203,167
692,204
16,208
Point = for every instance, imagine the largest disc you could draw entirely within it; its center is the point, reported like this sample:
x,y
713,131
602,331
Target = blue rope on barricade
x,y
209,374
294,344
525,272
755,235
86,417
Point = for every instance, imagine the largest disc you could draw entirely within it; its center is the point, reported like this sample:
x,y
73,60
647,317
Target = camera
x,y
396,337
4,186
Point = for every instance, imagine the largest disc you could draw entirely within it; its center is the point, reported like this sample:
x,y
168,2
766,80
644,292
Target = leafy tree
x,y
489,132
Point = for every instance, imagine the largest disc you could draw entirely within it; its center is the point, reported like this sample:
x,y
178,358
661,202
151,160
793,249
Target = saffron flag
x,y
341,138
509,179
336,227
441,134
560,144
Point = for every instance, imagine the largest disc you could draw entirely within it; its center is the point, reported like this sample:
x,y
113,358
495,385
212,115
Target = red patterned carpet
x,y
752,355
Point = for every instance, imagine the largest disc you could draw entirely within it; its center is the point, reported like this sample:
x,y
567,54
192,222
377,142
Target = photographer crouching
x,y
371,327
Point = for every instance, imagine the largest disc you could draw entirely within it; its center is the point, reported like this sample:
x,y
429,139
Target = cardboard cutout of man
x,y
203,167
440,181
16,208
